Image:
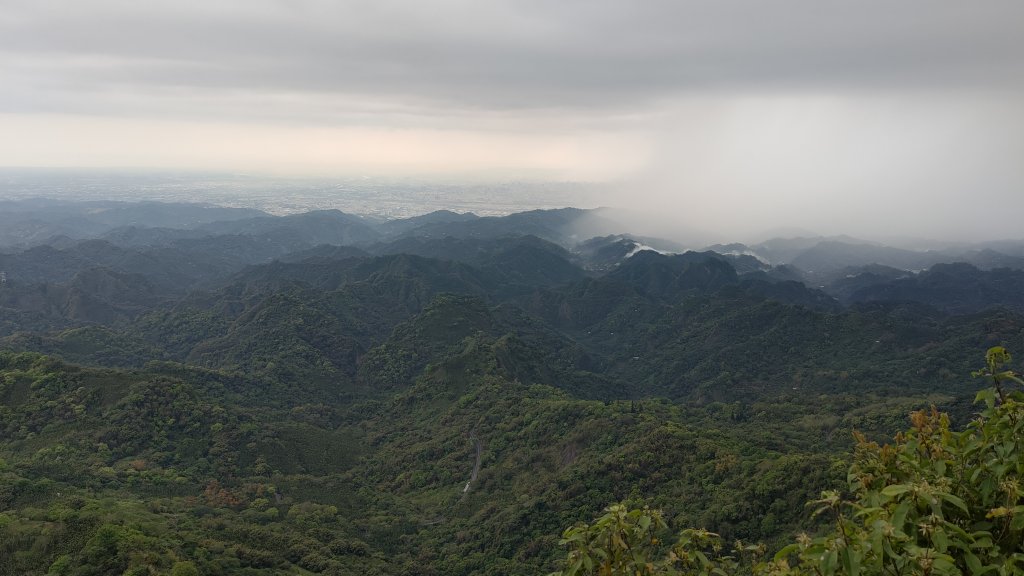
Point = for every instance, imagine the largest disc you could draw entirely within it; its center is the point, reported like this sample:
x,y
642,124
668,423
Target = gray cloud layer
x,y
870,116
427,57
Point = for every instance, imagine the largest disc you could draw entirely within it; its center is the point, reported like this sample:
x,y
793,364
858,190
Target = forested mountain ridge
x,y
265,397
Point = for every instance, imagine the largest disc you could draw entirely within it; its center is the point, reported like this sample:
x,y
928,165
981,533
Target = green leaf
x,y
955,501
1017,523
899,516
895,490
828,562
644,522
974,565
850,561
988,396
786,551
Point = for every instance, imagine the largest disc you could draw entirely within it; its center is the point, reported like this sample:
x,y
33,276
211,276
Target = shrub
x,y
936,501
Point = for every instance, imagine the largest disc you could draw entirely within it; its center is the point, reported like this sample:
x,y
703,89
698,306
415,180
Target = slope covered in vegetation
x,y
432,403
935,501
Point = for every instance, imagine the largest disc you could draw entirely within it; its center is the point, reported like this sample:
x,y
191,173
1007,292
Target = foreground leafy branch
x,y
933,502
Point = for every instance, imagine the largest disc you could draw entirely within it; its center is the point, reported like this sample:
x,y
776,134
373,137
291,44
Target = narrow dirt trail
x,y
479,456
479,446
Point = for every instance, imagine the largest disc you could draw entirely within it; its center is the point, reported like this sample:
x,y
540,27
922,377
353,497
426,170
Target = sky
x,y
875,117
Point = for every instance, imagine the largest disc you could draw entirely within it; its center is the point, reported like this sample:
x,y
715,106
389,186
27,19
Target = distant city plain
x,y
368,196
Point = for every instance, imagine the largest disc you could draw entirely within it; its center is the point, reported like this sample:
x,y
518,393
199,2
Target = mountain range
x,y
325,393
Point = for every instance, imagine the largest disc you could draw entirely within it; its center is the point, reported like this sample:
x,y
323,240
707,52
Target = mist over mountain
x,y
521,251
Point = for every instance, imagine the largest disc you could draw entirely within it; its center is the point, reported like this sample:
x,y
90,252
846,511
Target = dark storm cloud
x,y
181,57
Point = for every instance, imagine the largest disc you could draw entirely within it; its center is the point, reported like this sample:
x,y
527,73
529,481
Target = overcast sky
x,y
900,117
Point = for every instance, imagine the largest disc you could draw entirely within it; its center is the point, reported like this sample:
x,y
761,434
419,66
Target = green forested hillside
x,y
430,405
178,464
